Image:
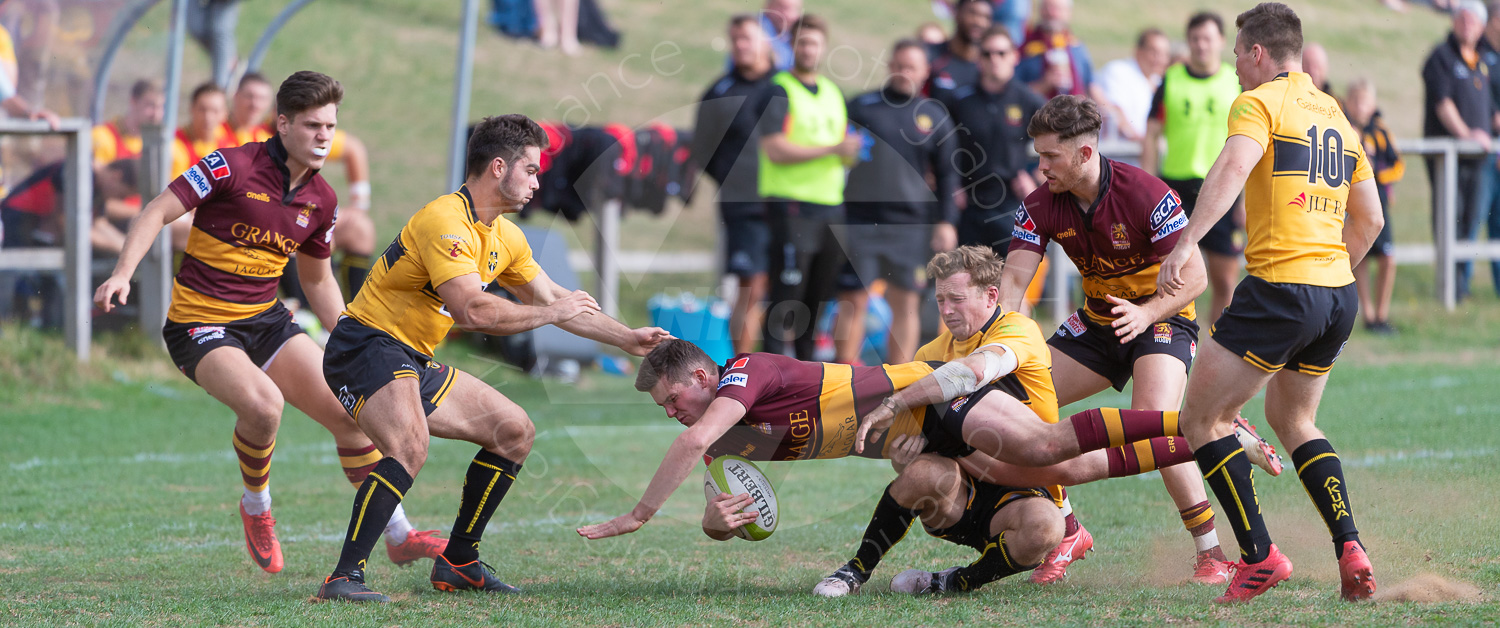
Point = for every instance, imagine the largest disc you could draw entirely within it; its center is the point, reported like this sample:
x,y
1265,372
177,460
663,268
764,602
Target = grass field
x,y
120,502
120,509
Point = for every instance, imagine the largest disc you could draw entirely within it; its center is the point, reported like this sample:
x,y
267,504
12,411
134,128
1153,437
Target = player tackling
x,y
379,359
1312,211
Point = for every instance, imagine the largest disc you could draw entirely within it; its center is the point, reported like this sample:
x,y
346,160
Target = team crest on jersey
x,y
740,363
217,165
304,216
734,379
764,428
1119,237
959,403
1163,333
924,123
453,252
1013,115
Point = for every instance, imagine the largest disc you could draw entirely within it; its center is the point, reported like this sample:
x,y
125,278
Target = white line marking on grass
x,y
149,457
1397,457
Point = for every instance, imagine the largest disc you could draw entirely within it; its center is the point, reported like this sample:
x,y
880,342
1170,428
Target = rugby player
x,y
355,238
226,330
1115,222
764,406
985,349
379,359
1312,211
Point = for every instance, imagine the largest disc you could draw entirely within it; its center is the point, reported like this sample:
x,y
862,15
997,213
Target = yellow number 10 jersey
x,y
1296,197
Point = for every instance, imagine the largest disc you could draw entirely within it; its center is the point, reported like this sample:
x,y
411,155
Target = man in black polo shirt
x,y
724,140
1458,105
889,205
955,62
992,145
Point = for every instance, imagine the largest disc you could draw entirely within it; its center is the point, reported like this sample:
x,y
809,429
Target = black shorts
x,y
991,228
943,423
1220,237
261,337
984,501
896,253
747,242
1277,325
1098,349
360,360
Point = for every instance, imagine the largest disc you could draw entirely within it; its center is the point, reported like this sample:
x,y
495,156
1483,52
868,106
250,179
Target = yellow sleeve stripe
x,y
1143,455
1392,174
404,373
1114,425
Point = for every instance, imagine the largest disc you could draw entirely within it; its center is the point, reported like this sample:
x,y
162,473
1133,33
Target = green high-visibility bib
x,y
811,120
1197,119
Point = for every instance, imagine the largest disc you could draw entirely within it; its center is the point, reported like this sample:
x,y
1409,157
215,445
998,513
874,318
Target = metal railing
x,y
76,257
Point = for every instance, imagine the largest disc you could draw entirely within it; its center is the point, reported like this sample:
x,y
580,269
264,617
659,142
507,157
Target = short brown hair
x,y
744,19
810,22
1144,39
506,137
981,262
1204,17
1275,27
204,90
144,88
252,77
1067,116
673,360
998,30
307,90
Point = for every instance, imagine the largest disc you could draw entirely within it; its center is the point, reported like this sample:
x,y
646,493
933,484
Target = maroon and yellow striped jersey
x,y
1117,243
247,222
797,410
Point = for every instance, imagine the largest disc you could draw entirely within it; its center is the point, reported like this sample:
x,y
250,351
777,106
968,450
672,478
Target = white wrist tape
x,y
955,380
997,365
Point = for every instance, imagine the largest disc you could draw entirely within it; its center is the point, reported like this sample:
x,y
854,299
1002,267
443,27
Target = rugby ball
x,y
738,476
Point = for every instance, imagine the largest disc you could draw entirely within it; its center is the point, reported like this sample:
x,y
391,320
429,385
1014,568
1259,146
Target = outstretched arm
x,y
1220,189
686,450
163,209
592,324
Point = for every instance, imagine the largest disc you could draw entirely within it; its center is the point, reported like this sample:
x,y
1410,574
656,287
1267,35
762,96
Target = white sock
x,y
1206,541
398,527
256,502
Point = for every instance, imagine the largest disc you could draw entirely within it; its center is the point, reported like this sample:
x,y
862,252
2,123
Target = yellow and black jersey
x,y
1297,195
444,240
1031,382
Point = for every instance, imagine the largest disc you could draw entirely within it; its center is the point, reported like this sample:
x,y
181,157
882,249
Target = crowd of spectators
x,y
943,159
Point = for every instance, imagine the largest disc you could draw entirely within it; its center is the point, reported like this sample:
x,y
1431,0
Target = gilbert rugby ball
x,y
738,476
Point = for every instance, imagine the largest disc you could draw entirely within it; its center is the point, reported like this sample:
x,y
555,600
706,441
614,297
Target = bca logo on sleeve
x,y
1164,210
1025,229
217,166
